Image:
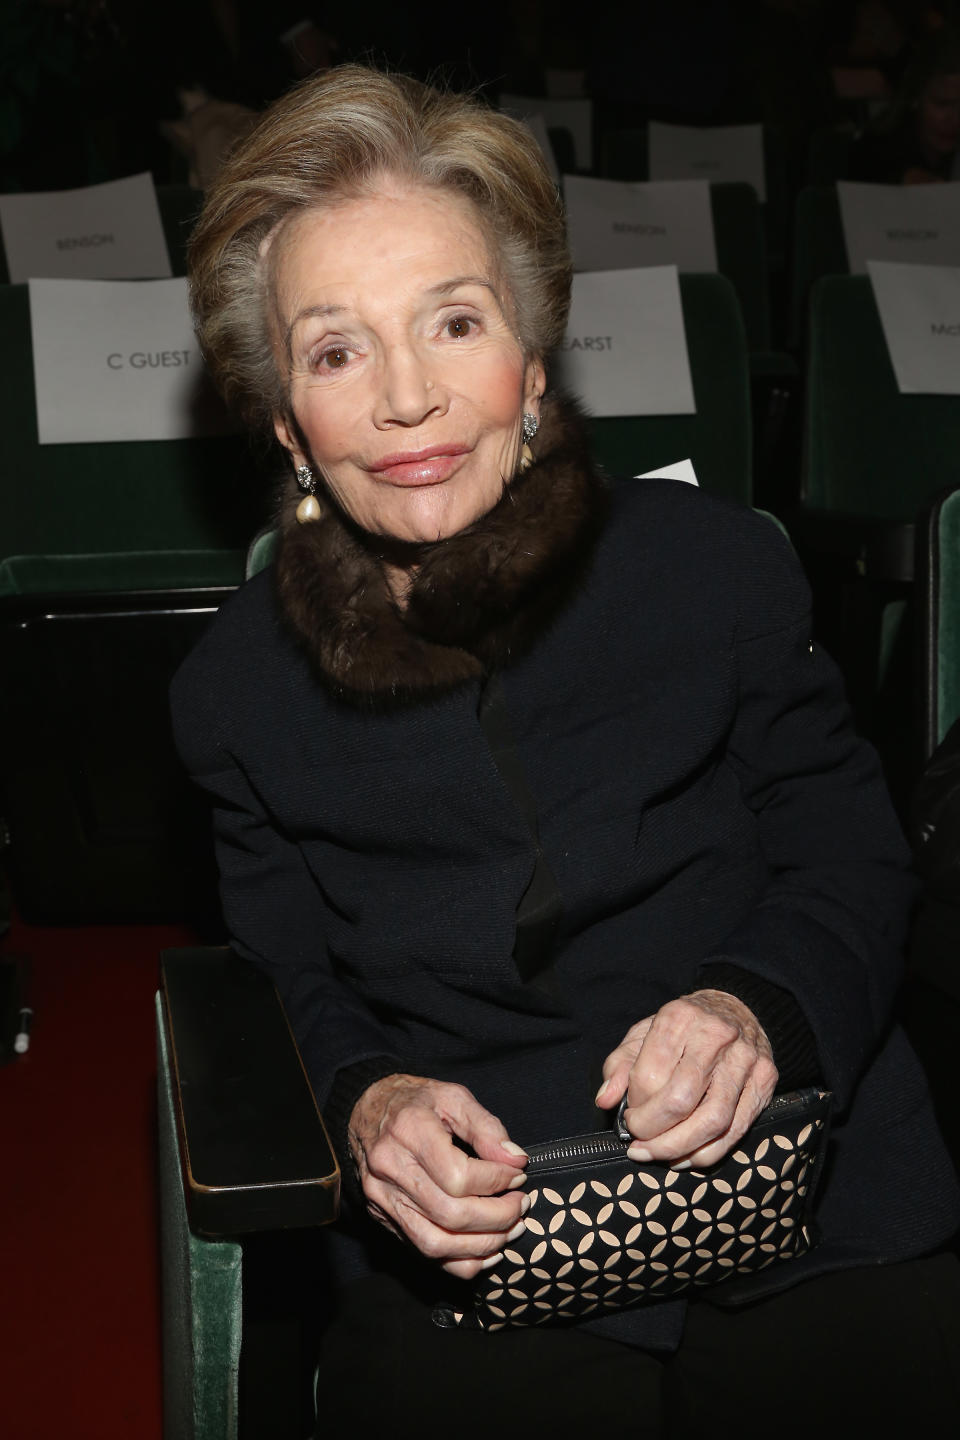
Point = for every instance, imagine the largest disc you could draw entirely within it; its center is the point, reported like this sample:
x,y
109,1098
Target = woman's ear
x,y
288,439
535,382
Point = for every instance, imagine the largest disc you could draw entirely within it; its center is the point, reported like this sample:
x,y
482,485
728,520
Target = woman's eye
x,y
334,358
459,327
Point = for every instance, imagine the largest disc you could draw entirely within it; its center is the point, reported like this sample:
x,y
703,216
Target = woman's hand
x,y
420,1184
696,1074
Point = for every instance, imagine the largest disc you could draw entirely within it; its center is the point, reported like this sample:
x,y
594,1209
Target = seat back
x,y
718,437
939,581
113,558
128,499
819,248
104,826
738,228
263,549
742,254
870,451
624,155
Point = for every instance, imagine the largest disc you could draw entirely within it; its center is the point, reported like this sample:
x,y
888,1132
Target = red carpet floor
x,y
79,1334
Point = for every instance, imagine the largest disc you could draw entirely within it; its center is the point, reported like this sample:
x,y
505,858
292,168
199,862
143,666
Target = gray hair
x,y
330,139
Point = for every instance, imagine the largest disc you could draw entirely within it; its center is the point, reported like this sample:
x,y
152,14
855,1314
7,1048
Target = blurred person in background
x,y
915,141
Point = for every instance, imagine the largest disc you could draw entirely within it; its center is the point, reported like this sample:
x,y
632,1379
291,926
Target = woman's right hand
x,y
420,1184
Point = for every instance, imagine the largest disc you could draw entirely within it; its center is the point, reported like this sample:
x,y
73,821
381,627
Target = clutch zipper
x,y
577,1147
604,1143
582,1147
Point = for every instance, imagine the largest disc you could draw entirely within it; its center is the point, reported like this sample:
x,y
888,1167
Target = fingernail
x,y
524,1204
637,1152
517,1231
513,1149
596,1098
519,1179
680,1165
491,1260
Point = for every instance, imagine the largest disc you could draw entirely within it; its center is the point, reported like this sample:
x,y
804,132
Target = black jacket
x,y
702,801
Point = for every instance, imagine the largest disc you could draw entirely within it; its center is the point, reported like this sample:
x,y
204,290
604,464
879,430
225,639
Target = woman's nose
x,y
409,392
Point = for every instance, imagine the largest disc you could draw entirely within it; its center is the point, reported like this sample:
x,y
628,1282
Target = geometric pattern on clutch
x,y
611,1234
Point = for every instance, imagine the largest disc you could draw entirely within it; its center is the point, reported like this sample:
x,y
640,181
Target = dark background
x,y
85,83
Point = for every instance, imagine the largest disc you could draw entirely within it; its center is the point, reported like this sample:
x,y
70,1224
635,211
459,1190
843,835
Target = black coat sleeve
x,y
830,925
275,913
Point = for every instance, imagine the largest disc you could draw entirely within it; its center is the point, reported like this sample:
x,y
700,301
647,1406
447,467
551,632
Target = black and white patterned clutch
x,y
604,1232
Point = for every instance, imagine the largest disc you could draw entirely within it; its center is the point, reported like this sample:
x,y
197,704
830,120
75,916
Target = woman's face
x,y
406,379
938,122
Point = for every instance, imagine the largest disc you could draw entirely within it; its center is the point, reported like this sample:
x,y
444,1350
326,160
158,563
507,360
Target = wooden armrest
x,y
254,1149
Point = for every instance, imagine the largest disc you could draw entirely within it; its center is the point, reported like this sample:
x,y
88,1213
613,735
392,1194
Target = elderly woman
x,y
527,783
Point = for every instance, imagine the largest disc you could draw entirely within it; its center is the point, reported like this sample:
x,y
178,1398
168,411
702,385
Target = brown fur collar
x,y
478,600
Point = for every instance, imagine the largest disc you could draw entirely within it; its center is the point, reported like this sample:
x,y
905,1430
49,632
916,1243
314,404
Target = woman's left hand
x,y
696,1075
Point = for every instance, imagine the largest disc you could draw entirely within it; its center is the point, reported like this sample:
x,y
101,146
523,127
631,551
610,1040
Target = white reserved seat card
x,y
920,312
118,360
102,232
718,152
913,224
625,351
570,114
679,470
614,225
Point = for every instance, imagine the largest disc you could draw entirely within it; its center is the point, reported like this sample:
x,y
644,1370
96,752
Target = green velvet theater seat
x,y
246,1176
935,934
741,246
742,255
119,498
624,156
103,825
718,437
871,452
819,248
113,557
740,225
202,1289
874,459
938,586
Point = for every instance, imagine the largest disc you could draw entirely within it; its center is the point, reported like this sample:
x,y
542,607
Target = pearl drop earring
x,y
309,507
530,427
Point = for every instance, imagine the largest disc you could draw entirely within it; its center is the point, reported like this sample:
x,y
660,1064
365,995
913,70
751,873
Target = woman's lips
x,y
419,467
